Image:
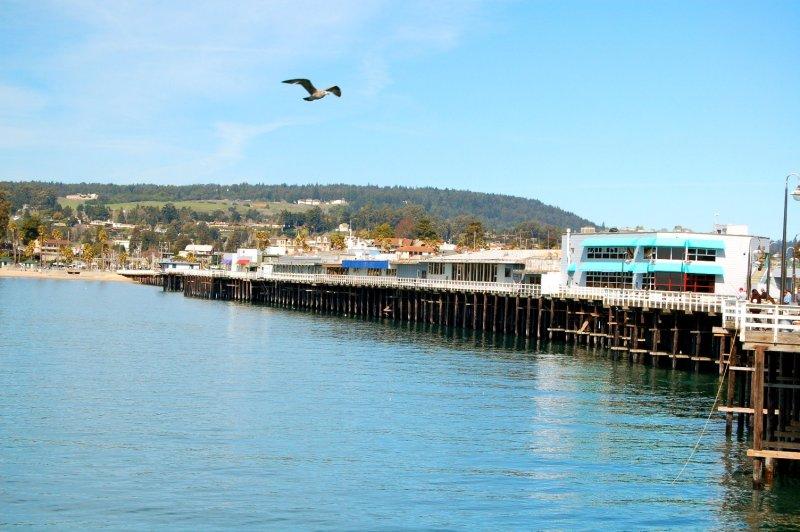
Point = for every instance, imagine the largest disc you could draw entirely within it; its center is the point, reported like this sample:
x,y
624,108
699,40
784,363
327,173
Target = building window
x,y
702,254
700,283
670,253
648,281
669,281
436,268
609,253
680,282
609,280
485,273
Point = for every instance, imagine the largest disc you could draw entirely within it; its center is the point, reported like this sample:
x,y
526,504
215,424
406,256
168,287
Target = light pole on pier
x,y
796,196
793,269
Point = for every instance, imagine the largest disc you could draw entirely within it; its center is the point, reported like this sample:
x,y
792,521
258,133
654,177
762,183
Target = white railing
x,y
137,272
376,281
644,298
608,296
748,317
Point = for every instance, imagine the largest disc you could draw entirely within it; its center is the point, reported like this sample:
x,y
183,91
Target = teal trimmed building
x,y
713,263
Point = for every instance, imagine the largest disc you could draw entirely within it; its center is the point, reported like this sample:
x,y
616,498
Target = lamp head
x,y
796,193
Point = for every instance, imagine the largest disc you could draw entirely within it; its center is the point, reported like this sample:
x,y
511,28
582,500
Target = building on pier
x,y
494,266
169,265
715,263
379,265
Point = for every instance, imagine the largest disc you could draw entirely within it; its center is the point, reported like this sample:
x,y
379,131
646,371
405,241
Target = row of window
x,y
674,282
609,253
679,282
609,280
651,253
475,272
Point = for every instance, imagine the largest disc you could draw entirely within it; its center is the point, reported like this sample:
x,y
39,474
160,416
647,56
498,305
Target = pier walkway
x,y
691,302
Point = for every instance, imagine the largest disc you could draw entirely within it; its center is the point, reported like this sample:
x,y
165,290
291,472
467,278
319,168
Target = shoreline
x,y
62,275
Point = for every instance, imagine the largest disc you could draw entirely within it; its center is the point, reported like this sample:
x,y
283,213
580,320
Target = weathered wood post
x,y
757,400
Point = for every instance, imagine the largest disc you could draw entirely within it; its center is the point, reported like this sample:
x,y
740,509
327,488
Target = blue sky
x,y
652,113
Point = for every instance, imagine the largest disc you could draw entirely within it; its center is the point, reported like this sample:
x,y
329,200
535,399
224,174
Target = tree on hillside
x,y
425,231
5,212
405,228
87,253
262,239
301,240
474,236
67,254
13,234
337,241
382,234
383,231
169,213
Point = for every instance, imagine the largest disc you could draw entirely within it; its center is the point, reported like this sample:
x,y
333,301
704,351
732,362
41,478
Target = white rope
x,y
708,419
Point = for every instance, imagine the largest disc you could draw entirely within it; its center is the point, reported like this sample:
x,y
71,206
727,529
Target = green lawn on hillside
x,y
267,208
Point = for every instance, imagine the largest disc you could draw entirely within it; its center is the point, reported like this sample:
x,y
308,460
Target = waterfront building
x,y
169,265
199,250
377,265
50,249
493,266
245,260
715,263
410,251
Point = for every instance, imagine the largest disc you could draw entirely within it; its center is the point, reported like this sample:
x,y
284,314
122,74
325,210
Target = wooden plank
x,y
782,455
740,410
739,368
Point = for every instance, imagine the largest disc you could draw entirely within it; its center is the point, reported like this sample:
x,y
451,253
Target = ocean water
x,y
125,407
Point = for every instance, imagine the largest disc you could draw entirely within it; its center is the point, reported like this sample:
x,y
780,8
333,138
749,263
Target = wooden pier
x,y
755,346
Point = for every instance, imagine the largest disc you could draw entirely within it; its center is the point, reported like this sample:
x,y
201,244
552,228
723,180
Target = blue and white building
x,y
716,263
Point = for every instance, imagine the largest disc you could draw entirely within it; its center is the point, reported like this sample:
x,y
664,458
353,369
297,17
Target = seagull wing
x,y
335,90
307,85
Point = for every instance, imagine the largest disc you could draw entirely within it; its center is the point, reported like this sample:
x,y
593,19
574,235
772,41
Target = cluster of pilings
x,y
661,337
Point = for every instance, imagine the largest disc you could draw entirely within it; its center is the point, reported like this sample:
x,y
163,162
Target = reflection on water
x,y
123,406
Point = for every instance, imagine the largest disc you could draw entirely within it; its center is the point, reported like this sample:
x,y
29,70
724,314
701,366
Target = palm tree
x,y
42,230
301,240
102,239
88,254
14,230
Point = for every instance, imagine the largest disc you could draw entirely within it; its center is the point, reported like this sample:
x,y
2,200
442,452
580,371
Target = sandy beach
x,y
85,275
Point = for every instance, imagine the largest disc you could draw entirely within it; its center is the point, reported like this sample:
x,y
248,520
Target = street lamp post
x,y
796,196
786,266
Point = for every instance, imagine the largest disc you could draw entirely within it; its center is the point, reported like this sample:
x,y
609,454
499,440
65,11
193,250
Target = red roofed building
x,y
409,251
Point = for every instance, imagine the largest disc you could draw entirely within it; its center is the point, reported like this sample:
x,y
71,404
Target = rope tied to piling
x,y
708,419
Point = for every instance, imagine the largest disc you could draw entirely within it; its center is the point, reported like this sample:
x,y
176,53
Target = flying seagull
x,y
315,93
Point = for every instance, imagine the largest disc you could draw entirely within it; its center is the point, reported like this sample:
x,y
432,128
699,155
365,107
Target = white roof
x,y
496,256
199,248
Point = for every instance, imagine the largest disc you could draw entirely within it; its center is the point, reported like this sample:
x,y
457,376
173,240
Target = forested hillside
x,y
499,212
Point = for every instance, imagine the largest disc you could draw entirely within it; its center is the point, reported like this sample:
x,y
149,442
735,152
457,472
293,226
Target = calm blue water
x,y
124,407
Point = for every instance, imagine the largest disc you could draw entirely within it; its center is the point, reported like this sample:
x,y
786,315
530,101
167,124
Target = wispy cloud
x,y
168,79
234,137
